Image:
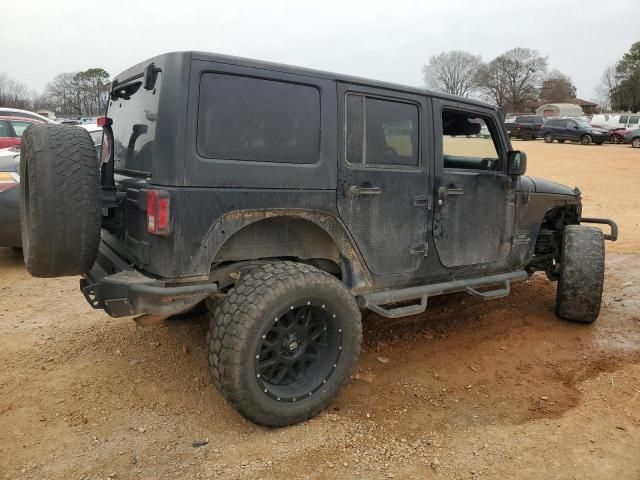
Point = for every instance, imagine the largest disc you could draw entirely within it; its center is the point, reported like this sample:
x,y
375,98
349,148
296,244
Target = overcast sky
x,y
388,40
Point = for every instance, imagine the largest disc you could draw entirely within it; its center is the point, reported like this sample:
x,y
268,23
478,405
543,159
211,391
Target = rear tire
x,y
60,207
581,274
586,139
548,138
283,342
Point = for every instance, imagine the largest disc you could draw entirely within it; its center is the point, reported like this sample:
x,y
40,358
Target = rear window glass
x,y
134,112
243,118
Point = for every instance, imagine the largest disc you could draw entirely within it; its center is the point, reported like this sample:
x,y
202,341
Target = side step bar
x,y
375,301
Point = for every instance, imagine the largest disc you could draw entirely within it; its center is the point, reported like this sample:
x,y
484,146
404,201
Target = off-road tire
x,y
238,326
581,274
635,142
60,203
548,138
586,139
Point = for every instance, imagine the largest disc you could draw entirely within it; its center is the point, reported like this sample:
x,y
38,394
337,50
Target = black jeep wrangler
x,y
288,200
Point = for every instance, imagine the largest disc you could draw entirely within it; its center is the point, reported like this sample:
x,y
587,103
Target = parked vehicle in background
x,y
632,137
550,110
10,181
574,130
96,133
616,120
9,198
11,130
17,113
526,127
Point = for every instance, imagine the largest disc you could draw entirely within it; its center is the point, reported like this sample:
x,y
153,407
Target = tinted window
x,y
382,132
19,127
633,120
624,118
4,129
244,118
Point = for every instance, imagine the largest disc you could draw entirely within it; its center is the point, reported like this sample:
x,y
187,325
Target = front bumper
x,y
119,289
613,236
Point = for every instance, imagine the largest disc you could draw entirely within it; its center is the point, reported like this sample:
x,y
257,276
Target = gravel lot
x,y
470,389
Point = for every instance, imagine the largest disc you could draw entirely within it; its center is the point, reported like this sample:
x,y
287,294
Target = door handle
x,y
355,191
445,192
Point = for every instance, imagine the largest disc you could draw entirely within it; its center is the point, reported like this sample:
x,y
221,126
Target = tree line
x,y
512,80
83,93
520,76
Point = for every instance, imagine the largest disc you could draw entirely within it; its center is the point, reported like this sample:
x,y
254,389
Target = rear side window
x,y
381,132
633,120
4,129
243,118
19,127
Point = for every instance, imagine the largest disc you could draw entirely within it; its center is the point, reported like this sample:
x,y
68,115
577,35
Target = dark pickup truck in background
x,y
526,127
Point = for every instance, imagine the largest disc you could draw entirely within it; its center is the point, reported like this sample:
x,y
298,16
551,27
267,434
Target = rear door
x,y
383,175
474,198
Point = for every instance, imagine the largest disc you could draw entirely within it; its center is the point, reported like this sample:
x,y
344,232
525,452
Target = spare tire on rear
x,y
60,207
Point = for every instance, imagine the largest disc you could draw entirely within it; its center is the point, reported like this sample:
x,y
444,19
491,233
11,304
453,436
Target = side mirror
x,y
517,163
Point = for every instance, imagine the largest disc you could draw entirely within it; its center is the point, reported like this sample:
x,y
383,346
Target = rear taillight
x,y
104,122
158,212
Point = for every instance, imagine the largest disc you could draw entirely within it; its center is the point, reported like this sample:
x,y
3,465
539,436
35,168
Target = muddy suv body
x,y
288,200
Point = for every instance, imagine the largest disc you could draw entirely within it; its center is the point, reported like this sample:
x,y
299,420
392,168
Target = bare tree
x,y
14,94
452,72
609,82
513,78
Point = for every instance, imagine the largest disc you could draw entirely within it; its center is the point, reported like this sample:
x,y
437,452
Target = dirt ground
x,y
470,389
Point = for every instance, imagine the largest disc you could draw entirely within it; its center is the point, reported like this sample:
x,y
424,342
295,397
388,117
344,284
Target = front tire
x,y
581,274
586,139
635,143
548,138
283,342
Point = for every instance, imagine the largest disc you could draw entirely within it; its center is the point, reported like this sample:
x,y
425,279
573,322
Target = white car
x,y
16,112
96,135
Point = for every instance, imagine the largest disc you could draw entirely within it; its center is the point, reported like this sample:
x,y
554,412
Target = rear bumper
x,y
120,290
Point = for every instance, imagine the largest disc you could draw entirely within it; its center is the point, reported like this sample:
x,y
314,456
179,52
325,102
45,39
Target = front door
x,y
382,188
474,198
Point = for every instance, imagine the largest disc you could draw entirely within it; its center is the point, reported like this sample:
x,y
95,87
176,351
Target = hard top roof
x,y
252,63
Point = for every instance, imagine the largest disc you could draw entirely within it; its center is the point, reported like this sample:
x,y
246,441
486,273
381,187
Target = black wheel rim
x,y
298,352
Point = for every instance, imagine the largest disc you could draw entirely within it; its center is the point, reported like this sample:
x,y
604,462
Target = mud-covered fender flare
x,y
224,228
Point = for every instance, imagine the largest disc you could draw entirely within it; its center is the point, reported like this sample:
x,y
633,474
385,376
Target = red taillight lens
x,y
158,209
103,122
